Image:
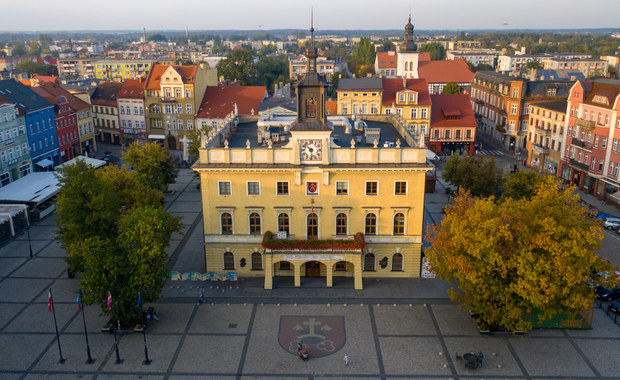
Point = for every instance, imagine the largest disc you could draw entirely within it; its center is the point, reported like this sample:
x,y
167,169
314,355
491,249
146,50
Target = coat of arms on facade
x,y
322,335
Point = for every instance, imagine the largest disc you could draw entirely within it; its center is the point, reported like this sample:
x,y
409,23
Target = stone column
x,y
268,272
357,271
297,270
330,274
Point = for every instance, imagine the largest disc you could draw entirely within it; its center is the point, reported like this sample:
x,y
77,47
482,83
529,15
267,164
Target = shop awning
x,y
44,163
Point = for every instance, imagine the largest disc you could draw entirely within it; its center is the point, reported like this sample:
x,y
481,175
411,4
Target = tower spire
x,y
311,52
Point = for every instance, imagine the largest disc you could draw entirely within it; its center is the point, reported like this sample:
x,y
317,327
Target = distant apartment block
x,y
120,70
516,62
474,57
76,68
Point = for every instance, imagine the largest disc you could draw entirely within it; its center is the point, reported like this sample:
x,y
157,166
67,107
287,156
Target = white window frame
x,y
247,187
366,187
346,185
219,189
406,187
288,194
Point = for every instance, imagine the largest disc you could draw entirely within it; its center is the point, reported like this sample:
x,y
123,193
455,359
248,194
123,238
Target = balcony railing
x,y
578,165
585,123
540,149
581,144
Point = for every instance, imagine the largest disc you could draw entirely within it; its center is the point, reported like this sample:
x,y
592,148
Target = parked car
x,y
611,223
607,295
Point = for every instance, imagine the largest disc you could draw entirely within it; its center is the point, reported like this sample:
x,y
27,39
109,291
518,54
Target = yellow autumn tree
x,y
507,259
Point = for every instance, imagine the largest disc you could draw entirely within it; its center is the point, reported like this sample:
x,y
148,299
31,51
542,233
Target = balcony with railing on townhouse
x,y
588,124
578,165
581,144
541,149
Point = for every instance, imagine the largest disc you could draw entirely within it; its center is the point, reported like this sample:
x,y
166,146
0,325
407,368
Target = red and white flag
x,y
49,301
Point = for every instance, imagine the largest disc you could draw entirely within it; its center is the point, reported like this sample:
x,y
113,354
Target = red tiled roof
x,y
51,92
47,61
331,107
445,71
392,85
132,88
4,101
219,101
188,74
607,91
387,60
452,105
46,78
424,57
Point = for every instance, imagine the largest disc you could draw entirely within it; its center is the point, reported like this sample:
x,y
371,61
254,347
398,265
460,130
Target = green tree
x,y
451,88
91,201
533,64
156,37
238,64
272,69
18,50
521,185
153,163
34,68
477,174
35,48
511,258
436,50
132,261
364,52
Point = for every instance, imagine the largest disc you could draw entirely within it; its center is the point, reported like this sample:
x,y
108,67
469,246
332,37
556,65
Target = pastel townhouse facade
x,y
359,96
39,120
104,103
173,94
409,101
453,125
65,118
591,153
309,205
131,111
386,64
545,136
15,159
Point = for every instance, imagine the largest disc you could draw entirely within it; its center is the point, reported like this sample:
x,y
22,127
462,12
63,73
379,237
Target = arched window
x,y
341,224
229,260
283,224
371,224
254,224
397,262
313,226
257,261
399,224
369,262
341,266
226,221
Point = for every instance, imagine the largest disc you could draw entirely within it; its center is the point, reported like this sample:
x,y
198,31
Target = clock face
x,y
311,150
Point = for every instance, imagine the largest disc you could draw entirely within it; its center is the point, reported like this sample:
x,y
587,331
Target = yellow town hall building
x,y
312,196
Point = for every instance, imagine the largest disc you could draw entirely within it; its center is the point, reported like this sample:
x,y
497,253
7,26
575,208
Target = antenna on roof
x,y
312,26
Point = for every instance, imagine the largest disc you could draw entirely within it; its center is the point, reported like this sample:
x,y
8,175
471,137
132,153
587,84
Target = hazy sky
x,y
39,15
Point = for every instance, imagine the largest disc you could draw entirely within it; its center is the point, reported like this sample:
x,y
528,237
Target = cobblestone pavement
x,y
393,329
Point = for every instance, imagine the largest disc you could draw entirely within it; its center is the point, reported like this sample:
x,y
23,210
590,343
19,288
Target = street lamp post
x,y
28,232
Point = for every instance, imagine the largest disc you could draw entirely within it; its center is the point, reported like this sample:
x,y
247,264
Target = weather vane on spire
x,y
312,25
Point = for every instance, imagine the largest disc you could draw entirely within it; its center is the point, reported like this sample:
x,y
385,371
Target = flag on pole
x,y
79,300
109,303
139,302
49,301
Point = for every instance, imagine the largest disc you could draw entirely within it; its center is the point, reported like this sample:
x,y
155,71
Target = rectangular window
x,y
179,108
364,108
190,124
355,109
342,188
188,108
600,166
177,92
188,93
373,108
224,187
282,188
180,124
423,113
513,109
253,188
604,142
411,98
400,188
414,113
345,108
372,188
401,98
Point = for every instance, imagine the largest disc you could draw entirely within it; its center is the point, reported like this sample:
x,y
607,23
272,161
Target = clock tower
x,y
310,131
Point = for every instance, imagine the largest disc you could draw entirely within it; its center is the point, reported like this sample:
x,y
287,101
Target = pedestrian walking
x,y
300,345
201,295
346,360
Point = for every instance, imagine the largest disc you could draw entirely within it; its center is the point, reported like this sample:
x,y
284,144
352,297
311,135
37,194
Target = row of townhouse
x,y
450,127
41,126
578,138
502,104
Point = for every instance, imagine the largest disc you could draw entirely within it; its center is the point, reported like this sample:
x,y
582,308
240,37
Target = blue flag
x,y
139,302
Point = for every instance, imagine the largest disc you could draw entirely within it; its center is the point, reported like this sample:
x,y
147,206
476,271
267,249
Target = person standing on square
x,y
346,360
201,295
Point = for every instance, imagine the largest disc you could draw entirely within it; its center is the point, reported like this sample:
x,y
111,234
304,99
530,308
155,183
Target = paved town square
x,y
393,328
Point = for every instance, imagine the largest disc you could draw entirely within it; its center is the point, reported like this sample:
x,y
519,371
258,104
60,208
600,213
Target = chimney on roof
x,y
404,82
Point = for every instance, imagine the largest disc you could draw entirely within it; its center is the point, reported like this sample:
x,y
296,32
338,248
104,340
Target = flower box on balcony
x,y
356,243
